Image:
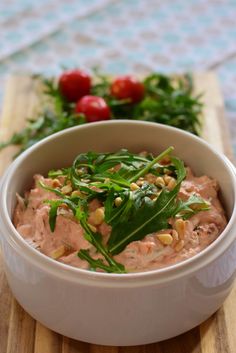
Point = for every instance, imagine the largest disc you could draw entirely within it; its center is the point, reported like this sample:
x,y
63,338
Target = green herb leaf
x,y
145,170
95,264
193,205
150,216
53,212
95,239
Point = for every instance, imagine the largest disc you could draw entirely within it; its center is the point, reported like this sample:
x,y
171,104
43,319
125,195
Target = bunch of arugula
x,y
167,100
141,212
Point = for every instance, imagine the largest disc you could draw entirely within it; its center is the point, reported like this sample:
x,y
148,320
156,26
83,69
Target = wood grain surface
x,y
19,333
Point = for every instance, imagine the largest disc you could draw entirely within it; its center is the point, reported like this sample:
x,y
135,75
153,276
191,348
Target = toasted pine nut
x,y
171,184
179,246
167,179
98,216
151,178
65,206
134,186
118,201
76,193
160,181
174,234
180,226
56,183
140,182
165,239
55,254
66,189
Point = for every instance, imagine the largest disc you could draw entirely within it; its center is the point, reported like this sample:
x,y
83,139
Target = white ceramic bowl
x,y
114,309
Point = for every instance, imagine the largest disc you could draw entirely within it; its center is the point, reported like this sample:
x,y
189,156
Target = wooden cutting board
x,y
19,333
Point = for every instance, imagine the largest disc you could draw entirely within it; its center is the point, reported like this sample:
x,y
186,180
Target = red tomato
x,y
94,108
128,87
74,84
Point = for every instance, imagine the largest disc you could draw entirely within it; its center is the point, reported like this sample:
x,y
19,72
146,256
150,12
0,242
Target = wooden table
x,y
19,333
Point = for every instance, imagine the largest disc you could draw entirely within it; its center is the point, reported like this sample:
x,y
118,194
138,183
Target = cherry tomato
x,y
74,84
128,87
94,108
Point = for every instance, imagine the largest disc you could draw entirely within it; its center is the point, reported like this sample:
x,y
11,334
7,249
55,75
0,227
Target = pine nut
x,y
56,183
167,179
160,182
55,254
180,226
171,184
76,193
118,201
134,186
140,182
151,178
64,205
165,239
98,216
179,246
66,189
174,234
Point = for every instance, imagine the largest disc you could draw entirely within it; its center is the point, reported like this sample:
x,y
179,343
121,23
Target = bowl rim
x,y
68,272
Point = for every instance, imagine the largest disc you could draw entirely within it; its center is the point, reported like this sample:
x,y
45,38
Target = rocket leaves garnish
x,y
98,263
141,211
193,205
96,240
151,216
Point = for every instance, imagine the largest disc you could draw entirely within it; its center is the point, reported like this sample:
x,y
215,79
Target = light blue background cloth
x,y
122,36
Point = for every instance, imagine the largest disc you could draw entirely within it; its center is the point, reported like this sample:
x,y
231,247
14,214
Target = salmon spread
x,y
121,212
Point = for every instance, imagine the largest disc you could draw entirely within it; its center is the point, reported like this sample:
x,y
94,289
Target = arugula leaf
x,y
180,169
193,205
59,172
130,203
48,188
94,264
116,215
95,239
150,217
70,202
92,237
151,164
53,212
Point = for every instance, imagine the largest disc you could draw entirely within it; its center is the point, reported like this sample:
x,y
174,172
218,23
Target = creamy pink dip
x,y
32,222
